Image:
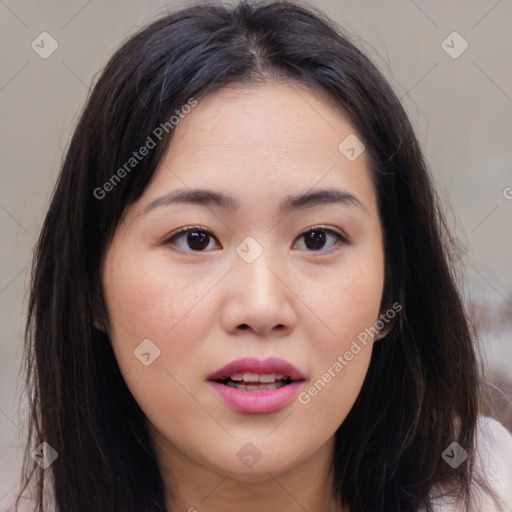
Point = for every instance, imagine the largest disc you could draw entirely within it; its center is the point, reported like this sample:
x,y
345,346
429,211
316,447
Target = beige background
x,y
462,109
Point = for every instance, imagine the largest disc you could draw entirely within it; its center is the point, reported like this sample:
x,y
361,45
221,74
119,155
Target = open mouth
x,y
257,386
256,381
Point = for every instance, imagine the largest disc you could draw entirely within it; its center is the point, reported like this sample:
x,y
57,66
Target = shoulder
x,y
494,457
493,460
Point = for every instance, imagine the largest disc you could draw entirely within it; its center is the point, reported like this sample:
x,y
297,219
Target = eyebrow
x,y
291,202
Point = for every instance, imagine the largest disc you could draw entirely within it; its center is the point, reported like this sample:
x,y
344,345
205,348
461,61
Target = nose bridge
x,y
253,264
259,298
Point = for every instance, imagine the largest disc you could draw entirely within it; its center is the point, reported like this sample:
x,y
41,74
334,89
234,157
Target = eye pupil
x,y
317,238
197,240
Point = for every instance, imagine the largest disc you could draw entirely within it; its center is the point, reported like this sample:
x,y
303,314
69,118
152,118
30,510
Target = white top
x,y
494,460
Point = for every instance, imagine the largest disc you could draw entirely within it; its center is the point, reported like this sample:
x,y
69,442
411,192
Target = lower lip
x,y
264,401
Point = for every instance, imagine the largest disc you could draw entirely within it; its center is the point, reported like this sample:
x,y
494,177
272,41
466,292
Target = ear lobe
x,y
99,326
387,319
384,330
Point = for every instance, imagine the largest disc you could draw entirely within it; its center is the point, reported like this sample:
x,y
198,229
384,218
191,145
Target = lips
x,y
246,366
256,386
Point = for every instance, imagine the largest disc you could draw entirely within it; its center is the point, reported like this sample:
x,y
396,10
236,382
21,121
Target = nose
x,y
260,298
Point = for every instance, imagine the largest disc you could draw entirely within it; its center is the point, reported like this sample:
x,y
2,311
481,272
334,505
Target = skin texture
x,y
205,309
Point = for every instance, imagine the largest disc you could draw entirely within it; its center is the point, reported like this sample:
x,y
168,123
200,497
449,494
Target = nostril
x,y
244,326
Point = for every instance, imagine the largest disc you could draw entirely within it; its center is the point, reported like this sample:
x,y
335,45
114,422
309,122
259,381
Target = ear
x,y
98,324
382,333
386,321
98,310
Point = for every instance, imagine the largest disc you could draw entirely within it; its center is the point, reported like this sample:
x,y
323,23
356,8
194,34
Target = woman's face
x,y
281,275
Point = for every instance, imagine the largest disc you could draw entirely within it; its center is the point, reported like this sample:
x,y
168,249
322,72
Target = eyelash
x,y
191,229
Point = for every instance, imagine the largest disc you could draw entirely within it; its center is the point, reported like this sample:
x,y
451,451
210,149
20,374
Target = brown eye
x,y
317,239
191,239
198,240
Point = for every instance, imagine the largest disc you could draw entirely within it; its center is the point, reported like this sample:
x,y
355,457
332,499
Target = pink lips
x,y
258,401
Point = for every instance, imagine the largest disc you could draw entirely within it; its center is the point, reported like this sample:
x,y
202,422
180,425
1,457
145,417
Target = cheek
x,y
347,300
348,307
326,402
341,360
147,298
147,301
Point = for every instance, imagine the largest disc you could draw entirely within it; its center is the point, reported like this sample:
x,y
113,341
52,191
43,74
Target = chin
x,y
250,464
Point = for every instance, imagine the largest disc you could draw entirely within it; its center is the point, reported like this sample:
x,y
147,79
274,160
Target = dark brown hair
x,y
421,390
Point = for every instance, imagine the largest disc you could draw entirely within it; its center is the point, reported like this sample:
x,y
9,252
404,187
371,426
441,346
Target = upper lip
x,y
260,366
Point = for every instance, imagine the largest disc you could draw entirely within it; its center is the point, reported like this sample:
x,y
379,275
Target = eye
x,y
196,238
199,239
316,238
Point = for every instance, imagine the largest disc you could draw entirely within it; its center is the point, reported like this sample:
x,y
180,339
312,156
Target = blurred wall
x,y
459,99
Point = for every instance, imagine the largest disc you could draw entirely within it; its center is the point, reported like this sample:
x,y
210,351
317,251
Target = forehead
x,y
274,117
263,141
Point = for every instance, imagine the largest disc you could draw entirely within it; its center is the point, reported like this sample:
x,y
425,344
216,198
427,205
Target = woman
x,y
242,296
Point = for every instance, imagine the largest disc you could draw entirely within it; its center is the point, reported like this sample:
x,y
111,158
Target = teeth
x,y
255,387
252,388
265,378
251,377
259,380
